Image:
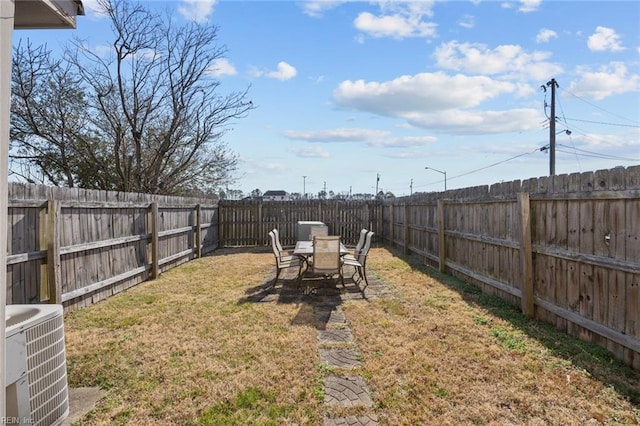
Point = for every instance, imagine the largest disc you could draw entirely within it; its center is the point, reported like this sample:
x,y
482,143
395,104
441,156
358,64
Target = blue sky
x,y
350,90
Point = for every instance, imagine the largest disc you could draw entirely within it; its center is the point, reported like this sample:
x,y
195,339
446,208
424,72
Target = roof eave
x,y
41,14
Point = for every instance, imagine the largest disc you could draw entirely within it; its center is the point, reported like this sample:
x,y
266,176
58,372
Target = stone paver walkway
x,y
348,400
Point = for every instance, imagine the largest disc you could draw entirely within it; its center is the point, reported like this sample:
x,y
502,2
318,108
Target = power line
x,y
601,109
596,154
633,126
564,118
495,164
484,168
585,134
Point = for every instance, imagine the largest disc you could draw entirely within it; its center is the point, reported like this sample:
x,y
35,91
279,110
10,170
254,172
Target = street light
x,y
444,173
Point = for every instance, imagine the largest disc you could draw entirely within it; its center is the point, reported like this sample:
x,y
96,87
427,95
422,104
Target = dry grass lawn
x,y
190,349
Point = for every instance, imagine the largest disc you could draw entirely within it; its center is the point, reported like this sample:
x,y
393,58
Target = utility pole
x,y
411,188
377,181
552,127
304,187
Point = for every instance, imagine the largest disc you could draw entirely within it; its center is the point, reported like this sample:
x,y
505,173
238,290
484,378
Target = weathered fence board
x,y
247,223
578,262
77,247
584,250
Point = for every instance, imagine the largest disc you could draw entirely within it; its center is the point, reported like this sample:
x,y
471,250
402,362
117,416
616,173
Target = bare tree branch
x,y
148,116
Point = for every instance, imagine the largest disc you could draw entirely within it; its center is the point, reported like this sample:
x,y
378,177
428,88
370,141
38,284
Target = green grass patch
x,y
251,406
509,339
480,319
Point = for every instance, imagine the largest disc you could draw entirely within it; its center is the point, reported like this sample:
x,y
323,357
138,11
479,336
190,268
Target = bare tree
x,y
46,118
148,115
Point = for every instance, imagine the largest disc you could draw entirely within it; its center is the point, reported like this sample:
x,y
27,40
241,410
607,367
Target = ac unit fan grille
x,y
47,371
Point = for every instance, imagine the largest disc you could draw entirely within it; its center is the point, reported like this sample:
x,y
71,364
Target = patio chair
x,y
284,255
358,247
283,262
318,231
360,264
326,257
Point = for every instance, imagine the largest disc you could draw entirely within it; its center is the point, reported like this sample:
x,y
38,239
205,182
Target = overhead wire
x,y
633,126
481,168
604,110
568,133
577,152
573,150
495,164
586,153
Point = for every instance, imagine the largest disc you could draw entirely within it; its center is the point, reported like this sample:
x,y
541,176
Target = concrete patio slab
x,y
81,401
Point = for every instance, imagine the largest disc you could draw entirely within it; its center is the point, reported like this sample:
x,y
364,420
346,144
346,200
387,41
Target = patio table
x,y
304,250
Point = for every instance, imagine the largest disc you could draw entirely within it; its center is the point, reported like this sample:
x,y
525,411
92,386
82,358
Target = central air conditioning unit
x,y
303,229
36,374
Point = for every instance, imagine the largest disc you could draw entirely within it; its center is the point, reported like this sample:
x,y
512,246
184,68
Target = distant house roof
x,y
274,194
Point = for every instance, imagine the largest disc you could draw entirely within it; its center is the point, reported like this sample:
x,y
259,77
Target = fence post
x,y
43,245
52,241
198,236
406,229
155,265
442,247
221,222
526,253
390,238
258,232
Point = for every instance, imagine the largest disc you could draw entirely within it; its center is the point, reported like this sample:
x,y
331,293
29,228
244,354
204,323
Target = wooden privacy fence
x,y
564,248
247,223
76,247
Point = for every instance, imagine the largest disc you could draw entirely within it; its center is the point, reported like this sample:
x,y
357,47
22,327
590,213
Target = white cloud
x,y
527,6
197,10
221,67
426,92
467,21
102,50
310,152
407,155
611,79
148,54
398,20
440,102
604,39
273,167
610,143
544,35
337,135
316,9
375,138
467,122
404,142
284,72
510,61
93,9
